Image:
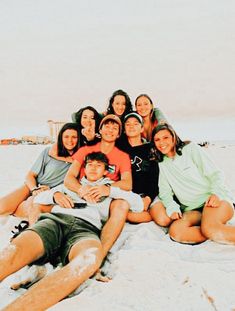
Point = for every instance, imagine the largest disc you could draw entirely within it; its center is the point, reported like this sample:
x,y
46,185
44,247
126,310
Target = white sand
x,y
150,272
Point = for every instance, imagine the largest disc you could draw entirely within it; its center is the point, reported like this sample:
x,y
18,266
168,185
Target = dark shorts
x,y
198,209
59,232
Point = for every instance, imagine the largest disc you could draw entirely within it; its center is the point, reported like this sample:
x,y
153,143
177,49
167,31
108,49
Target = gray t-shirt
x,y
50,171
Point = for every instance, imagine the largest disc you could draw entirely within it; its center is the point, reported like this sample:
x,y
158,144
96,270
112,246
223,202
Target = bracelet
x,y
34,189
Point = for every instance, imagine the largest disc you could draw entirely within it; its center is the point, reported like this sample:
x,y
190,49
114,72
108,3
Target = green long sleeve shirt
x,y
192,178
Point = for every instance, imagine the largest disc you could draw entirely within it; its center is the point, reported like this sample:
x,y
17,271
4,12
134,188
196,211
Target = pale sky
x,y
59,55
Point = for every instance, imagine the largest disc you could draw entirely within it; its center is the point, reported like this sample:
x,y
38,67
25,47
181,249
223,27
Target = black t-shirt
x,y
145,169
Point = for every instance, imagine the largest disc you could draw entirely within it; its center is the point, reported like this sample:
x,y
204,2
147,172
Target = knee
x,y
87,261
119,207
175,232
211,231
3,207
162,220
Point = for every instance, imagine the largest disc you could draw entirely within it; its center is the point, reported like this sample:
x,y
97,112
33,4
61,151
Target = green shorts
x,y
59,232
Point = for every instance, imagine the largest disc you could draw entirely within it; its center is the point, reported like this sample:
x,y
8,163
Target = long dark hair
x,y
128,108
62,151
179,144
152,116
78,117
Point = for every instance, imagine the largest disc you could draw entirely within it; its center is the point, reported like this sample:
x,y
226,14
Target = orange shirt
x,y
119,161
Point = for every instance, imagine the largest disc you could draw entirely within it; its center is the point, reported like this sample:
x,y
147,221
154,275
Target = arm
x,y
125,183
159,116
31,183
71,182
209,170
53,152
30,180
166,196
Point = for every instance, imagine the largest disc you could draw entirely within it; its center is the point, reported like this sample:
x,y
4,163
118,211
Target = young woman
x,y
88,120
196,205
151,116
46,172
119,104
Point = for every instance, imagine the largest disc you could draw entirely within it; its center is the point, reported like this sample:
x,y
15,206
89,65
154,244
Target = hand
x,y
83,191
63,200
147,202
89,132
213,201
176,215
40,189
97,192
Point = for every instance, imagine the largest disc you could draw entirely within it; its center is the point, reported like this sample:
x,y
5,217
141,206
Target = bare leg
x,y
24,249
214,223
139,217
159,215
85,258
24,207
34,211
10,202
187,229
114,225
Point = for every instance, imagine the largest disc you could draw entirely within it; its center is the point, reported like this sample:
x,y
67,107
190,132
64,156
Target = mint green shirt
x,y
192,177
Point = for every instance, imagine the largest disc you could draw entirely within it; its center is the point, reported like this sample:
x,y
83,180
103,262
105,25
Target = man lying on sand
x,y
74,237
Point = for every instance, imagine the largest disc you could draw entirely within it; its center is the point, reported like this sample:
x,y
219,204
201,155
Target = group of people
x,y
105,169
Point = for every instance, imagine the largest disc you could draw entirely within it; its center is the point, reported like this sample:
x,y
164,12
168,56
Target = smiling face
x,y
109,131
165,143
88,118
133,128
70,139
119,105
94,170
144,106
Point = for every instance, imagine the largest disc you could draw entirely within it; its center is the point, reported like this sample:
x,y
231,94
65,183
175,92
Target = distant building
x,y
36,140
10,141
54,128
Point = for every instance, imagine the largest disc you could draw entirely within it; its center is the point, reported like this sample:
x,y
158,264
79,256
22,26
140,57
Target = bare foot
x,y
101,278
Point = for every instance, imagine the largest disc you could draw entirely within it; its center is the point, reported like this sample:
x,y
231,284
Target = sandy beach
x,y
148,270
58,56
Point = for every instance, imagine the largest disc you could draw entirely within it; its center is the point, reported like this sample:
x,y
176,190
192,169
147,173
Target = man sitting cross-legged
x,y
144,166
71,234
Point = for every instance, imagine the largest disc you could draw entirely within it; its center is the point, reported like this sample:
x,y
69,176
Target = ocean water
x,y
209,129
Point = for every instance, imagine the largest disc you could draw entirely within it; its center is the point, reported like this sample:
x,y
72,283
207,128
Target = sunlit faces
x,y
110,131
88,118
95,170
144,106
70,139
119,105
133,127
165,143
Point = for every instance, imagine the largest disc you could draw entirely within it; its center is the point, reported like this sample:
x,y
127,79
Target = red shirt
x,y
119,161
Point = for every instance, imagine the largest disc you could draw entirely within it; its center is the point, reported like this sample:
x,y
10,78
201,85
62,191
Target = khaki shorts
x,y
59,232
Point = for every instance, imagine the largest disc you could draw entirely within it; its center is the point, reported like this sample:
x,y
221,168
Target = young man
x,y
119,171
72,234
145,169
